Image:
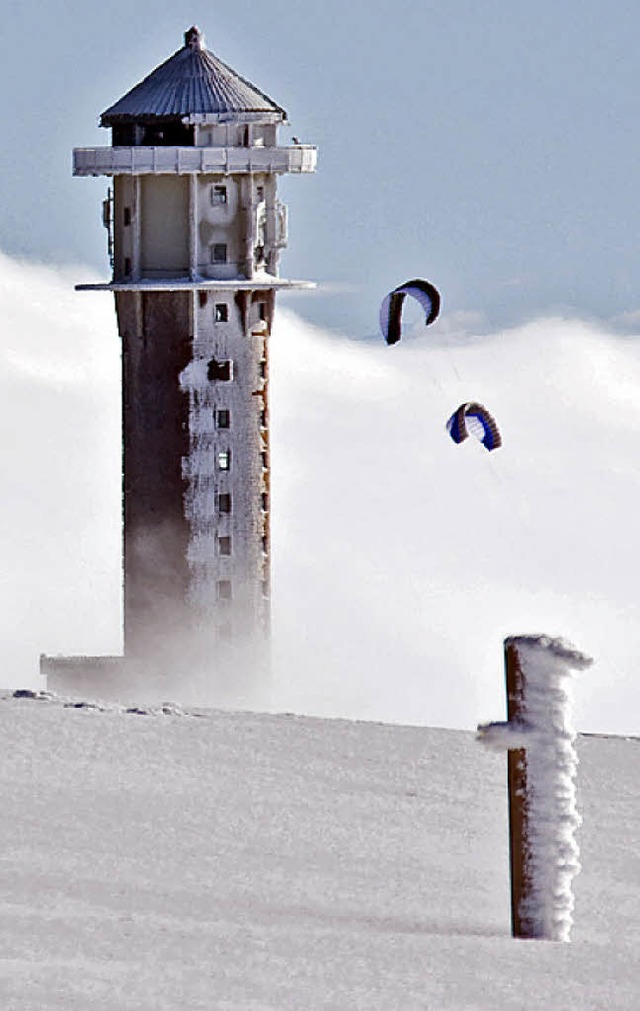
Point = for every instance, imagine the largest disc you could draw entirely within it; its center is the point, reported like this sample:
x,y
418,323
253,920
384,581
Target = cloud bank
x,y
400,559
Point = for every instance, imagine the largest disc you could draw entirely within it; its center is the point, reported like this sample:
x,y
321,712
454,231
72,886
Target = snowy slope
x,y
241,861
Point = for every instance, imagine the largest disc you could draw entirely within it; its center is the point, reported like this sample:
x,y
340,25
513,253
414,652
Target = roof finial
x,y
194,39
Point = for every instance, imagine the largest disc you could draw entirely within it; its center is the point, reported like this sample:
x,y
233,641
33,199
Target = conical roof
x,y
192,82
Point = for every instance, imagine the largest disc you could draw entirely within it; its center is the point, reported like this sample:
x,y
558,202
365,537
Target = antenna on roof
x,y
194,39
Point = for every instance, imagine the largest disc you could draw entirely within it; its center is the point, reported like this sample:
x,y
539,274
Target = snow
x,y
199,859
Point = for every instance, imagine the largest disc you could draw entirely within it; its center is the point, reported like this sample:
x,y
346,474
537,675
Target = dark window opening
x,y
224,589
224,545
220,371
260,193
219,195
126,217
219,252
203,298
245,137
224,502
127,266
224,459
262,368
223,419
262,310
265,544
265,461
221,313
263,419
264,501
168,135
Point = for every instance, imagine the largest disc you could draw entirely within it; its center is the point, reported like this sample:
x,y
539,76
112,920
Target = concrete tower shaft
x,y
195,232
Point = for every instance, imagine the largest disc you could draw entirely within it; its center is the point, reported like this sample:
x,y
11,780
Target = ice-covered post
x,y
542,762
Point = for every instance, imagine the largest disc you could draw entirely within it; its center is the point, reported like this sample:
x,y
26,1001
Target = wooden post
x,y
521,882
539,740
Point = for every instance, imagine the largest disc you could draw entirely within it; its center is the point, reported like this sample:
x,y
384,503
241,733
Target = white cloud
x,y
400,559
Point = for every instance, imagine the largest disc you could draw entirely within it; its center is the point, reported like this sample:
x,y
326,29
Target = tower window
x,y
262,310
264,501
219,195
221,313
202,298
265,461
220,371
219,252
262,368
223,502
260,194
224,459
263,419
224,589
127,266
265,544
223,419
224,545
126,217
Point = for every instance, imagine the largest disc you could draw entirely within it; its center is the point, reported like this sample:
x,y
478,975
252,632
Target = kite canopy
x,y
473,418
391,309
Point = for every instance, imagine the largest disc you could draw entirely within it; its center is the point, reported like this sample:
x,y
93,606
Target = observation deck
x,y
135,161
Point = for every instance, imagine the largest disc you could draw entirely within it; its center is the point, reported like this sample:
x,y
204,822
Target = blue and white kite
x,y
474,419
391,309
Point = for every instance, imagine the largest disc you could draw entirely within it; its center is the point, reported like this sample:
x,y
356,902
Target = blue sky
x,y
490,146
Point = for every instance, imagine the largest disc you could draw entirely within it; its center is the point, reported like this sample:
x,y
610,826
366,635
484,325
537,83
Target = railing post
x,y
542,761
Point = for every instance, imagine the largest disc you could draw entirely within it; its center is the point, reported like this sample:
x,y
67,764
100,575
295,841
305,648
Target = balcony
x,y
112,161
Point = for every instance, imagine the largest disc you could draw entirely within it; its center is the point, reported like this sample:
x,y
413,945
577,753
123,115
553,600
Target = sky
x,y
485,146
490,146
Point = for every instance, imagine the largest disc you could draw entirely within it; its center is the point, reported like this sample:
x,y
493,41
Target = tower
x,y
195,231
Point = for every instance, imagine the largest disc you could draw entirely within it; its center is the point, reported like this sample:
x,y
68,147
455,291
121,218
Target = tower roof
x,y
192,82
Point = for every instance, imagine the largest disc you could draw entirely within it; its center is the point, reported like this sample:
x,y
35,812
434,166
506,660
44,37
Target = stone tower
x,y
195,232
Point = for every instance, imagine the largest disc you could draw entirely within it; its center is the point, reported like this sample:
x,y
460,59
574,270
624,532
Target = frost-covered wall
x,y
543,733
226,499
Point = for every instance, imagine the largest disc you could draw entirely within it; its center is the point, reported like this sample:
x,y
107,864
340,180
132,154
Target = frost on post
x,y
543,815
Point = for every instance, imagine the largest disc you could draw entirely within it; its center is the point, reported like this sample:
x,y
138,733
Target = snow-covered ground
x,y
215,860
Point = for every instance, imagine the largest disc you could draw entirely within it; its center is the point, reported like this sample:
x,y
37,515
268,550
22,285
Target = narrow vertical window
x,y
224,545
265,544
265,461
260,194
263,419
219,252
223,419
202,298
219,195
224,459
126,217
262,368
223,502
264,502
262,310
127,266
221,313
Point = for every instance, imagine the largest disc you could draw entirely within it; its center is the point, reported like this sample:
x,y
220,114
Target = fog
x,y
400,560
